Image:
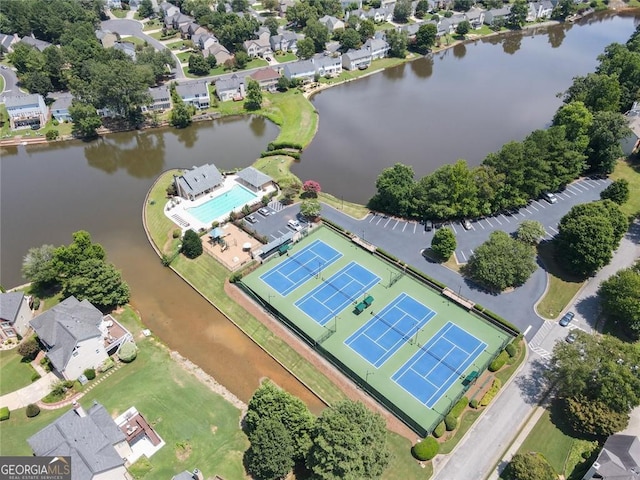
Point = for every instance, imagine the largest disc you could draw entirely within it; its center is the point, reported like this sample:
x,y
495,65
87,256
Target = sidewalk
x,y
29,394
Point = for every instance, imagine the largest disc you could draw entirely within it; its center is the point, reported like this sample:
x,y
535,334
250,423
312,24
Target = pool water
x,y
223,204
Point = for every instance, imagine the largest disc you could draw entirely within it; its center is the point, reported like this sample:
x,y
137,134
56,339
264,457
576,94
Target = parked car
x,y
251,218
294,224
566,319
466,224
428,225
264,211
571,337
550,197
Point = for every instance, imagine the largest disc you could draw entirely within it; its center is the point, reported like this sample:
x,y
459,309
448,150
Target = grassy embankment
x,y
209,277
208,436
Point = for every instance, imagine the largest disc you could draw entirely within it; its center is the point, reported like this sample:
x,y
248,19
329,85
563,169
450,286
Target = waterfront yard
x,y
630,171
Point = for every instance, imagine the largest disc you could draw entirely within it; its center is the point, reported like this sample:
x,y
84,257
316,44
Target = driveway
x,y
29,394
134,28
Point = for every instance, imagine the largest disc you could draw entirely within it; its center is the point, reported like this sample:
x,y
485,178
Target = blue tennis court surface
x,y
438,364
333,295
388,330
300,267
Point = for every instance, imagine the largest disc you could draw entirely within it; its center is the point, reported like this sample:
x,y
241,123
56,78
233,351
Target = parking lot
x,y
271,221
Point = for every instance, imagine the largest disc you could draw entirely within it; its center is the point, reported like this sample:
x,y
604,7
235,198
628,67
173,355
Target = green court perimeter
x,y
329,339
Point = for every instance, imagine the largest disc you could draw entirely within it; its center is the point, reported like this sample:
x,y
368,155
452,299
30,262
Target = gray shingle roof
x,y
300,67
17,101
620,458
62,103
200,179
62,327
254,177
230,83
159,93
34,42
87,439
358,54
189,90
10,305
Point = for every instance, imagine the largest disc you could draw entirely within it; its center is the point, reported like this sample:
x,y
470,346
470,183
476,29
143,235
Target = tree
x,y
311,187
426,37
272,6
180,116
598,92
349,443
212,61
310,207
98,282
271,23
444,243
397,41
601,368
563,9
501,262
67,258
402,11
241,59
198,65
254,96
191,244
620,299
28,349
395,190
463,5
145,9
592,417
606,132
349,39
271,402
529,466
301,13
283,84
270,455
617,192
38,265
318,33
85,119
239,5
366,29
530,232
37,82
306,48
422,8
577,120
518,15
463,28
588,234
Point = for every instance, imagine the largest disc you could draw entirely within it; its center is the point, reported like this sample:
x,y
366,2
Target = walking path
x,y
29,394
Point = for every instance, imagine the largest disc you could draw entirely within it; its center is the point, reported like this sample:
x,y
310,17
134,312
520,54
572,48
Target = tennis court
x,y
334,295
437,365
388,330
300,267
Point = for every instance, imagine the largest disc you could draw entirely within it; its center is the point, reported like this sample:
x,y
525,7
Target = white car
x,y
550,197
294,224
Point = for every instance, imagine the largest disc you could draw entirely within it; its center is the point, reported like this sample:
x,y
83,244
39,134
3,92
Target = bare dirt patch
x,y
183,451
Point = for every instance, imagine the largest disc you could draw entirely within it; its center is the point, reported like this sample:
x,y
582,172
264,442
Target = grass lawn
x,y
354,209
630,171
134,40
484,30
376,65
179,45
151,25
119,13
402,465
384,26
184,56
158,35
1,83
277,167
15,373
206,435
562,287
285,57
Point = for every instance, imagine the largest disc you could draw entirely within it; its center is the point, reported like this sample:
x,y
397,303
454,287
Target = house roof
x,y
199,179
229,83
265,74
254,177
10,305
64,325
6,40
62,103
88,438
375,44
186,475
300,67
34,42
18,101
159,93
620,458
358,54
127,48
500,12
189,90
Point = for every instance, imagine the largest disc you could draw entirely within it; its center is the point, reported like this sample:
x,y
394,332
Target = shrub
x,y
492,392
29,349
32,410
108,364
473,403
4,413
191,244
35,376
439,430
176,233
36,303
499,361
90,373
52,134
235,277
511,350
55,122
450,422
426,449
127,352
459,407
618,191
45,363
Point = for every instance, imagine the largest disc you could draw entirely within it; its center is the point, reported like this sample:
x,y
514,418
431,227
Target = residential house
x,y
347,3
168,9
303,70
204,40
161,100
356,59
187,475
26,110
497,15
196,94
34,42
631,143
198,181
219,51
475,17
287,41
618,460
327,65
539,10
378,15
255,180
412,28
188,30
60,108
177,20
267,78
107,38
15,313
283,5
7,42
332,23
449,25
114,4
230,88
377,47
128,48
261,46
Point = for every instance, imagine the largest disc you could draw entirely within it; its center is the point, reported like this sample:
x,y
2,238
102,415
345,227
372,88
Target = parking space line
x,y
463,256
578,186
534,207
563,194
480,223
523,215
547,234
372,217
415,225
502,215
274,237
490,224
405,225
397,222
496,219
551,228
539,204
588,183
379,220
572,190
471,251
385,225
454,228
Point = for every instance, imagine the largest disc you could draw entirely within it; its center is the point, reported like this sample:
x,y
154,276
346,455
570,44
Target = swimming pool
x,y
223,204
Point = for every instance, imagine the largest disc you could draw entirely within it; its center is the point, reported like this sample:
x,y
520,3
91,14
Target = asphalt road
x,y
10,82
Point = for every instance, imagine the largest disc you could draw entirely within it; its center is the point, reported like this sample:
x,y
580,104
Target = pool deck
x,y
177,208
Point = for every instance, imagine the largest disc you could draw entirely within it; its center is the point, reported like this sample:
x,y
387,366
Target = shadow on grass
x,y
547,253
44,291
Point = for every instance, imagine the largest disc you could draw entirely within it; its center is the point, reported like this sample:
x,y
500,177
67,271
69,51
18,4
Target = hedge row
x,y
499,361
450,422
459,407
4,413
492,392
479,308
279,145
426,449
332,224
289,153
511,349
426,277
439,430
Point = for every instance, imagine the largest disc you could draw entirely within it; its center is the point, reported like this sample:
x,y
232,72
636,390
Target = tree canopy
x,y
443,243
395,188
191,244
270,455
253,100
426,37
620,299
530,232
38,265
529,466
618,191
